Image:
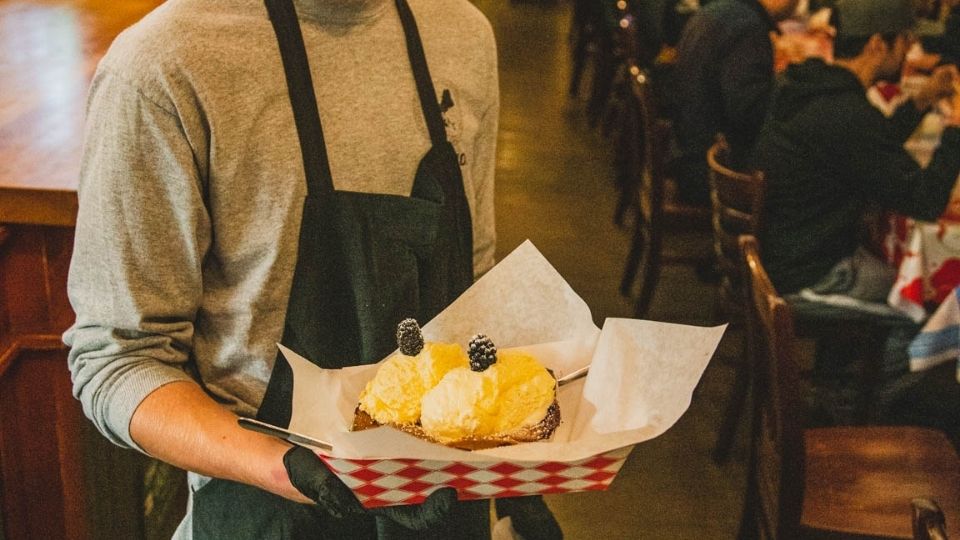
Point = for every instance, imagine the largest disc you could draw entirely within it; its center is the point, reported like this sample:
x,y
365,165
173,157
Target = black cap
x,y
864,18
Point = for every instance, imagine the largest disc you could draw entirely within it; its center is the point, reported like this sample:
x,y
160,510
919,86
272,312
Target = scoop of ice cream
x,y
437,359
513,393
463,404
393,395
526,390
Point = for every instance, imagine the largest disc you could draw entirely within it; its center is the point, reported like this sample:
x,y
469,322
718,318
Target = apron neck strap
x,y
316,165
421,73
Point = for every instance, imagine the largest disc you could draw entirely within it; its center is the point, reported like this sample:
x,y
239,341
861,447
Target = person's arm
x,y
884,172
904,121
135,284
180,424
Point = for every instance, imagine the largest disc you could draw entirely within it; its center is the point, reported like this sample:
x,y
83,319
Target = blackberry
x,y
482,352
409,338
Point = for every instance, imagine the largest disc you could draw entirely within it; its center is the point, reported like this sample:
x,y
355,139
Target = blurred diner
x,y
828,154
721,83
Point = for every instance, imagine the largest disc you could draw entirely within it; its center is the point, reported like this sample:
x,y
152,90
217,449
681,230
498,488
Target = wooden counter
x,y
58,477
49,50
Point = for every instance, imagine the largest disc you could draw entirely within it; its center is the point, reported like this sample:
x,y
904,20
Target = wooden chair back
x,y
634,35
736,209
928,520
627,37
649,150
776,473
737,205
585,25
644,191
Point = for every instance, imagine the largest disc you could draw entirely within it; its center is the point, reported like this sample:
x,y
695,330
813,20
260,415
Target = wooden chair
x,y
849,481
737,203
602,52
617,104
631,52
584,35
628,50
646,191
928,520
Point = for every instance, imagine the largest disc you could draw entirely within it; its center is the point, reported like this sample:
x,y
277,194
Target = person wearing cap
x,y
721,83
829,155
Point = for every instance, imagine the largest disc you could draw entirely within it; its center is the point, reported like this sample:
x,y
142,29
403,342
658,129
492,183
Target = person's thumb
x,y
423,516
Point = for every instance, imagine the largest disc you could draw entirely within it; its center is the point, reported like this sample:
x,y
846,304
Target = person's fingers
x,y
440,501
530,517
950,72
311,477
339,499
941,83
939,76
305,470
423,516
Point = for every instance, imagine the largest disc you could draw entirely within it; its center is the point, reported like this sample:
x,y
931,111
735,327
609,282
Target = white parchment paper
x,y
642,373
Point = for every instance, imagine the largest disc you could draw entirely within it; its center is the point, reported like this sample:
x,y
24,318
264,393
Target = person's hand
x,y
938,86
312,478
922,63
819,22
418,517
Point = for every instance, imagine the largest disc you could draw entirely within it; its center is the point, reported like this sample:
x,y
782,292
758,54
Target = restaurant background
x,y
555,186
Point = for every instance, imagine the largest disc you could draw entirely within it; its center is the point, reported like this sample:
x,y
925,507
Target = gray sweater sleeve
x,y
141,235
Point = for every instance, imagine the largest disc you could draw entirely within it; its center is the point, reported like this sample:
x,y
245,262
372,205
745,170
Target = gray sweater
x,y
192,183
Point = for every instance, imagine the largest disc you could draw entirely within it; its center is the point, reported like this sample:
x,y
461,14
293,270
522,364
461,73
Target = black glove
x,y
312,478
418,517
530,517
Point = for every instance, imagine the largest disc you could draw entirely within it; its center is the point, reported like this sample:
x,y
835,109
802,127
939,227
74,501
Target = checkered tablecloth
x,y
939,341
388,482
927,256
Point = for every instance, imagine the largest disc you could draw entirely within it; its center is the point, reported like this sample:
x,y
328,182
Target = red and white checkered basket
x,y
390,482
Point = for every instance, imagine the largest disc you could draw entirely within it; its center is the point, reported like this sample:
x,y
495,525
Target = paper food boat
x,y
642,376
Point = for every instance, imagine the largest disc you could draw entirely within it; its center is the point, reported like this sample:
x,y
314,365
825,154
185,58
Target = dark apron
x,y
365,262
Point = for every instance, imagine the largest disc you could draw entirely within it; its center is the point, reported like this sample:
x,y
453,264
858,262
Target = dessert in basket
x,y
468,400
642,375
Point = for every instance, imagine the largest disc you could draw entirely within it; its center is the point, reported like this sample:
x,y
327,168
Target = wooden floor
x,y
554,187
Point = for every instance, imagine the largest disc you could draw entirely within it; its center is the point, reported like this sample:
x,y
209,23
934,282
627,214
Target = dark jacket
x,y
947,44
828,153
721,83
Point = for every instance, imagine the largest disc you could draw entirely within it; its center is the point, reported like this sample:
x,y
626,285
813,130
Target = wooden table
x,y
48,53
